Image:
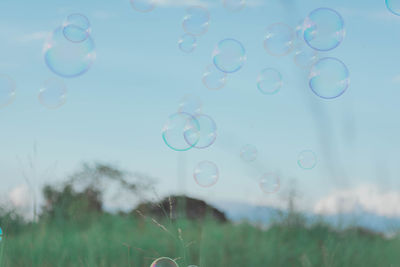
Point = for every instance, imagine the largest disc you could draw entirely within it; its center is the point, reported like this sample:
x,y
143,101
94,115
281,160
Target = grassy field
x,y
113,240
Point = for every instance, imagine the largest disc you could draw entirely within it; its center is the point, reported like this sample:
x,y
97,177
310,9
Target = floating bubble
x,y
229,55
307,159
278,40
68,59
234,5
393,6
206,173
7,90
76,28
190,104
143,5
53,93
196,20
178,127
1,234
329,78
187,43
248,153
269,81
206,135
304,56
324,29
213,78
269,183
164,262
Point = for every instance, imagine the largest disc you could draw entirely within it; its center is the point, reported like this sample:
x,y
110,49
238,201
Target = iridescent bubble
x,y
206,173
190,104
213,78
278,40
393,6
206,135
324,29
248,153
329,78
7,90
143,5
304,56
53,93
269,183
178,127
187,43
164,262
269,81
307,159
1,234
229,55
76,28
234,5
66,58
196,20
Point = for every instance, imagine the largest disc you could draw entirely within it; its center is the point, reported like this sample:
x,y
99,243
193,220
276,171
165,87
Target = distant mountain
x,y
237,211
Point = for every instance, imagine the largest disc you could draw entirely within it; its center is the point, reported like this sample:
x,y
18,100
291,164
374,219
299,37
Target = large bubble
x,y
234,5
206,173
329,78
206,135
143,5
307,159
278,40
393,6
53,93
229,55
68,59
76,28
324,29
213,78
164,262
196,20
187,43
269,81
269,183
7,90
179,127
248,153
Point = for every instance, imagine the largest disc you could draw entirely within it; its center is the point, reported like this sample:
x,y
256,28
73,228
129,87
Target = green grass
x,y
128,241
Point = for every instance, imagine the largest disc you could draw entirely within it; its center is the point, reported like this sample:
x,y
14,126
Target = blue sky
x,y
114,113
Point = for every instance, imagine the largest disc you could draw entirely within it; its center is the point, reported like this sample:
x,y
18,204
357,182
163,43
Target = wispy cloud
x,y
368,198
396,78
210,4
34,36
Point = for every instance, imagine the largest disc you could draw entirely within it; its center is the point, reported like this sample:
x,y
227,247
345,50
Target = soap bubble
x,y
190,104
1,234
206,135
7,90
307,159
143,5
234,5
269,81
76,28
213,78
248,153
187,43
329,78
278,39
269,183
393,6
304,56
196,20
206,173
66,58
178,127
53,93
324,29
229,55
164,262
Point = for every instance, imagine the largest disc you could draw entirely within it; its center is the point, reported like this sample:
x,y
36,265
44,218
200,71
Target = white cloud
x,y
367,198
34,36
396,78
